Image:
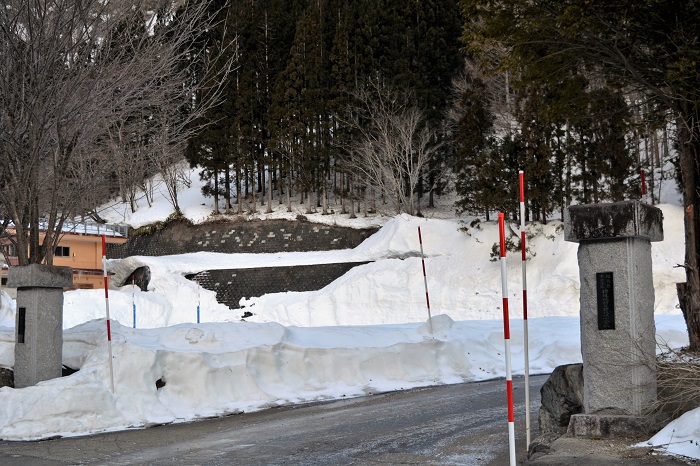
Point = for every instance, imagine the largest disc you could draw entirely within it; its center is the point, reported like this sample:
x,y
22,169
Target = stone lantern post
x,y
39,321
618,337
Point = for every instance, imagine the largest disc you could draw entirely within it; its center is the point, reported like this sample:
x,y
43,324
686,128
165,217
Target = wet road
x,y
462,424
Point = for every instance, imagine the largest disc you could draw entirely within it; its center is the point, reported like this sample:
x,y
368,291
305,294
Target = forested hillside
x,y
355,102
317,85
332,104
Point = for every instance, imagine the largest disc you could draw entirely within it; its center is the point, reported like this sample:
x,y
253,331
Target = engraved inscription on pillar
x,y
606,301
21,324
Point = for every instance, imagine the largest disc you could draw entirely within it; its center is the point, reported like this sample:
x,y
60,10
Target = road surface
x,y
463,424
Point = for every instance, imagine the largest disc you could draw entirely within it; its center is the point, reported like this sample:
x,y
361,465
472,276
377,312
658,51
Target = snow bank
x,y
463,281
680,437
215,369
317,345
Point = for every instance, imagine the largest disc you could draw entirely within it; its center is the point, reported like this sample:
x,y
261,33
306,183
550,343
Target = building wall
x,y
85,253
84,256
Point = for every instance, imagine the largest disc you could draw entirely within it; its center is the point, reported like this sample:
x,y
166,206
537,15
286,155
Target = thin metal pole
x,y
133,298
645,198
109,329
525,329
506,339
198,301
425,282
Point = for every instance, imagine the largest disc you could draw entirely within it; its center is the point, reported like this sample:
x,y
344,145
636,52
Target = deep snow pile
x,y
364,333
463,281
219,368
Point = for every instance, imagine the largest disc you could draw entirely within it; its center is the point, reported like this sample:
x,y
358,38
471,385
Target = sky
x,y
365,333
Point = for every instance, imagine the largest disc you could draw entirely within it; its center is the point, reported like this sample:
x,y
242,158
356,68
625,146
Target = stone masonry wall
x,y
268,236
259,236
232,285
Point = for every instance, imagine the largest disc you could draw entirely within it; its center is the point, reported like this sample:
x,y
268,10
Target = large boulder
x,y
562,396
142,277
123,271
7,378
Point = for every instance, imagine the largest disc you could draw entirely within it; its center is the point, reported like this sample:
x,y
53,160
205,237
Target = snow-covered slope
x,y
363,333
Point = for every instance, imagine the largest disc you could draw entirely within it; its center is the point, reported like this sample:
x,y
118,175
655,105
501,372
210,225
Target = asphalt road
x,y
464,424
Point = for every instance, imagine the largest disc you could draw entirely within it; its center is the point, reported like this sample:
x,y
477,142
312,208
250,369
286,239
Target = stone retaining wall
x,y
268,236
258,236
233,284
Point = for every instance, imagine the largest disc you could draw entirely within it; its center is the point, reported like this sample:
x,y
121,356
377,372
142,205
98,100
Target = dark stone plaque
x,y
606,300
21,324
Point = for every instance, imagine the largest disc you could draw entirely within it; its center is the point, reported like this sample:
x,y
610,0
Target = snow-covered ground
x,y
366,332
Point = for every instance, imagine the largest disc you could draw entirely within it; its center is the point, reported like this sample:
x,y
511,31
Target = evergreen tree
x,y
474,141
650,46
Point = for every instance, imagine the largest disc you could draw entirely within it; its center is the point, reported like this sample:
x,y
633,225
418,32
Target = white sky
x,y
366,332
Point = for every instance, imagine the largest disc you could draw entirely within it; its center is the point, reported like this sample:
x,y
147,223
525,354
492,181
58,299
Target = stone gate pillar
x,y
38,321
618,337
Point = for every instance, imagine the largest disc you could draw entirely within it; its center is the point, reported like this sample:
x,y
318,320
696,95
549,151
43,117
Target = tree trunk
x,y
227,187
216,192
261,182
270,176
288,181
689,292
253,189
343,190
239,194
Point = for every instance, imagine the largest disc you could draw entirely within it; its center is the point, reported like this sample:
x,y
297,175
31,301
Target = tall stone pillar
x,y
39,321
618,336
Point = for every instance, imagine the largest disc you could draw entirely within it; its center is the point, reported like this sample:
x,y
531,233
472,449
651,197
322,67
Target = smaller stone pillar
x,y
38,321
618,335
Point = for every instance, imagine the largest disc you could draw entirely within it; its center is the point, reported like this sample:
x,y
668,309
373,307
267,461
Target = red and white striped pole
x,y
133,298
198,299
506,338
109,330
425,282
525,329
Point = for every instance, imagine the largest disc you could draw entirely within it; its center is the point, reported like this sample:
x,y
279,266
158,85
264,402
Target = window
x,y
62,251
9,250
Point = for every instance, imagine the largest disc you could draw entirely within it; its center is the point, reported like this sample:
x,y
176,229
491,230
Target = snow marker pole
x,y
525,329
133,299
109,330
198,301
425,281
506,338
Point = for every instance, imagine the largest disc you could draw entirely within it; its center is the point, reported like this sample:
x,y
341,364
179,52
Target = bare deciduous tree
x,y
69,71
393,145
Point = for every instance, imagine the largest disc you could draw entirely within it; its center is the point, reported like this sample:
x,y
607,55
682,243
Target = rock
x,y
562,396
142,276
7,378
123,271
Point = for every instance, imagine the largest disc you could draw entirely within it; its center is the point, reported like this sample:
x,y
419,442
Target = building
x,y
80,247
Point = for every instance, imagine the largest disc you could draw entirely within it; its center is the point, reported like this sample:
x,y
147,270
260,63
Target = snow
x,y
364,333
680,437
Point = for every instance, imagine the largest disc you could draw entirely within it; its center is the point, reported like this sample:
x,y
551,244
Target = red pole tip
x,y
502,233
420,240
521,177
104,246
644,183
